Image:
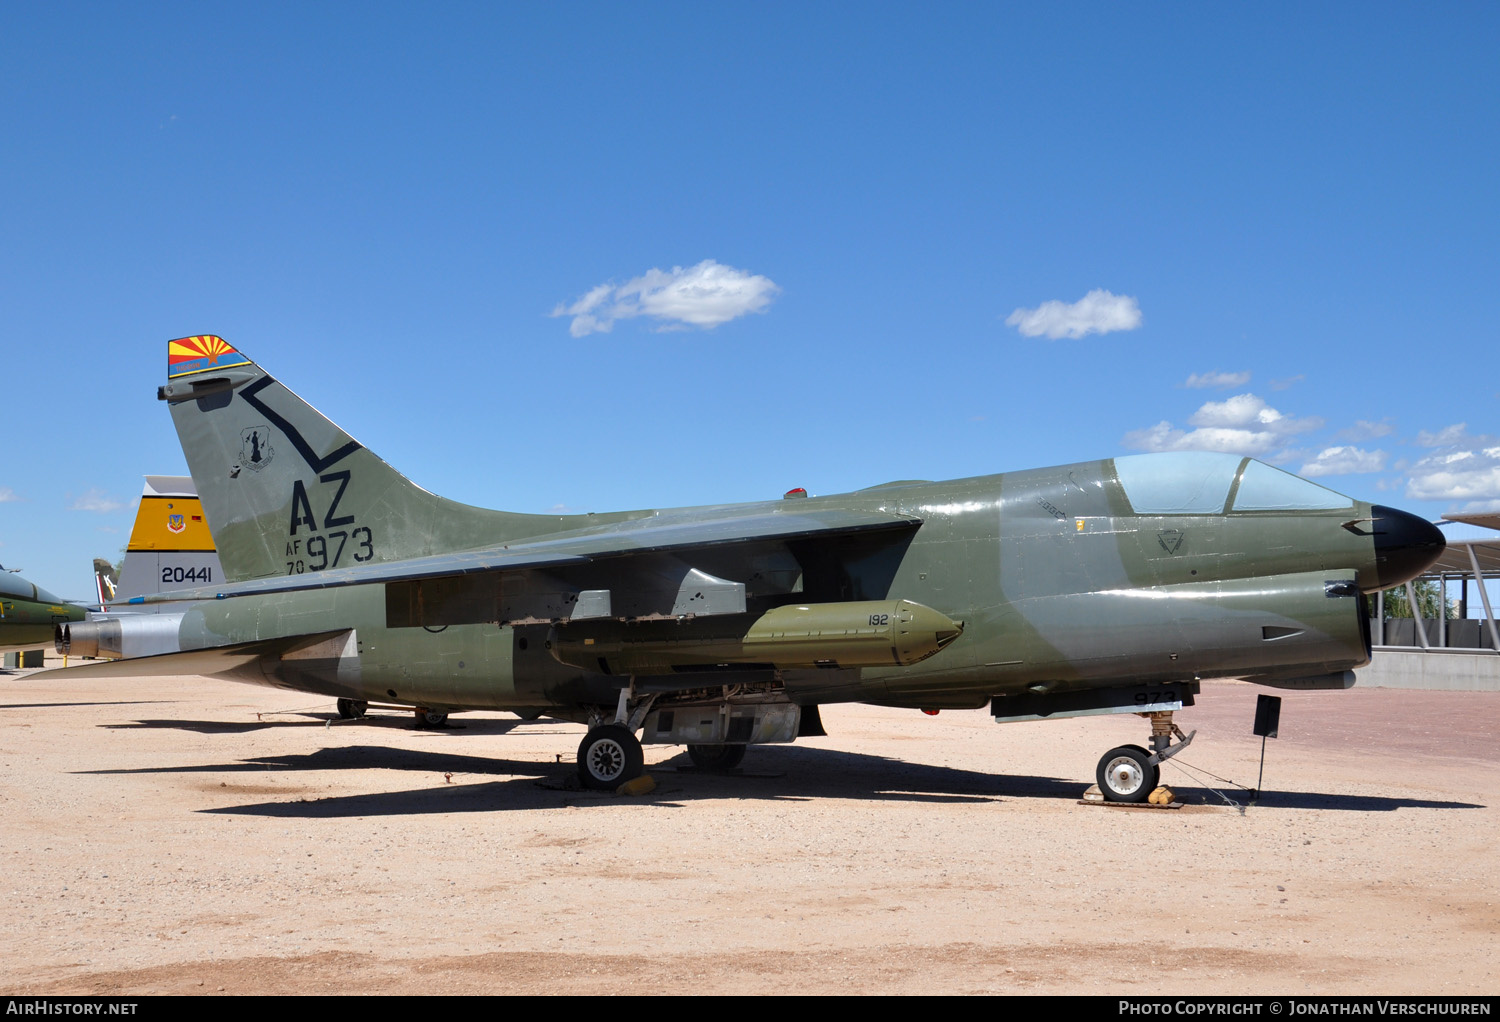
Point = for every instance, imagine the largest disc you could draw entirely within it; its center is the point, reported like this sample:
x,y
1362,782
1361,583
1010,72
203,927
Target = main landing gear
x,y
353,709
610,754
1130,773
716,758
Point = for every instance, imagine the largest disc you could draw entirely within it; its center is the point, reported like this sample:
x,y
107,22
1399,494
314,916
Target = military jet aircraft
x,y
29,615
1102,587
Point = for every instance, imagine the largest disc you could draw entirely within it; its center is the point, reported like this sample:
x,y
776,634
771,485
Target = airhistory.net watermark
x,y
60,1006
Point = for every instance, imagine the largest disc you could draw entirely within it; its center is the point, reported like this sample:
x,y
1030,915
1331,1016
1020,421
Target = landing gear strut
x,y
1130,773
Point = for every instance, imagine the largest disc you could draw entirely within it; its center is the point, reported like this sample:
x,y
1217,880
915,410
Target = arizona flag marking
x,y
190,355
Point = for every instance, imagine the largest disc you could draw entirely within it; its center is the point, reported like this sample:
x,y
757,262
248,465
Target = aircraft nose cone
x,y
1405,545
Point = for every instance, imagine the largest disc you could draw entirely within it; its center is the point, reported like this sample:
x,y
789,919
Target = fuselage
x,y
1113,572
29,615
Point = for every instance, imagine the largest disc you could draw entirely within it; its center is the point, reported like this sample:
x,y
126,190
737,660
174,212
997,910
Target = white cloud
x,y
1243,424
1443,437
1218,380
95,500
7,495
701,296
1098,312
1363,430
1240,410
1287,382
1460,467
1337,461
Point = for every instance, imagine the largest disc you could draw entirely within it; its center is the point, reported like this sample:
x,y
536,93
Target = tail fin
x,y
170,546
286,491
106,582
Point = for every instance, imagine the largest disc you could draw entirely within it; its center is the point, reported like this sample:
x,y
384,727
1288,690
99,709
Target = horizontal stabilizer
x,y
216,660
655,534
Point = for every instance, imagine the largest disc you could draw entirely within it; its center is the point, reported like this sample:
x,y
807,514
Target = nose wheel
x,y
1127,774
1130,773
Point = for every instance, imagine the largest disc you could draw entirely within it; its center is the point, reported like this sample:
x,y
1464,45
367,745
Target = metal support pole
x,y
1442,631
1380,617
1416,616
1484,594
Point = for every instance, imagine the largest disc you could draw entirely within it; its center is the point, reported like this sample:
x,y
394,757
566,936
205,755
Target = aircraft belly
x,y
457,666
18,637
1199,629
1305,621
476,667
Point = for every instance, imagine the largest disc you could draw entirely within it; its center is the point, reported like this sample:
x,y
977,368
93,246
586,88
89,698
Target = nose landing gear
x,y
1130,773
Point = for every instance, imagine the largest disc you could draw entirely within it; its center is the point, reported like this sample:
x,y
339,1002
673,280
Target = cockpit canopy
x,y
17,588
1208,483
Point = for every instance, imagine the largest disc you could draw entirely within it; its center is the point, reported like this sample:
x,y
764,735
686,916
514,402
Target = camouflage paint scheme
x,y
1037,589
28,615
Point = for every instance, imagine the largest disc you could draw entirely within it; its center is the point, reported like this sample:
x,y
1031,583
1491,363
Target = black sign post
x,y
1267,723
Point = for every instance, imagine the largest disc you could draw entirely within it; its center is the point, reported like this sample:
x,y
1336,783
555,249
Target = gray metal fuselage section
x,y
1060,582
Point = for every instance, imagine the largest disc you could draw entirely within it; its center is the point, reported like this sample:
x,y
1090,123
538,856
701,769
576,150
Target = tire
x,y
609,756
433,719
716,757
352,709
1126,774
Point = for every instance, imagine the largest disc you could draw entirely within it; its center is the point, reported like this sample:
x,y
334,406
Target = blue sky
x,y
824,239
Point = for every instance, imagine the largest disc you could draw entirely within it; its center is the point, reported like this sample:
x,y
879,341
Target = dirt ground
x,y
192,836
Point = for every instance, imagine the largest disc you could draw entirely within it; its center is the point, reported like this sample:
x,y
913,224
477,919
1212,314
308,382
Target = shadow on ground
x,y
779,774
298,720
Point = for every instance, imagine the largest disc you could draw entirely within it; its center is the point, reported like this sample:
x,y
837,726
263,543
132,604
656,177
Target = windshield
x,y
1200,483
1263,488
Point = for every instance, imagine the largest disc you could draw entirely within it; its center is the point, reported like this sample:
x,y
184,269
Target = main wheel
x,y
349,709
431,719
609,756
1126,774
716,757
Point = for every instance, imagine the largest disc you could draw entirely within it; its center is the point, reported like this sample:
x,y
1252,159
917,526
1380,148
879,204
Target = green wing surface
x,y
658,533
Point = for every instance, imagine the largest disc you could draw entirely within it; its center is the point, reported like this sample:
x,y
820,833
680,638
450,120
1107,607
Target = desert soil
x,y
195,836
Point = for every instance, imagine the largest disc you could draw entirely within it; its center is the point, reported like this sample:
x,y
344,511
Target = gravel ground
x,y
195,836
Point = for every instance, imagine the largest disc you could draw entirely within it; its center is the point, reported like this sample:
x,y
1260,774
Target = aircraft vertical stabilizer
x,y
287,492
170,546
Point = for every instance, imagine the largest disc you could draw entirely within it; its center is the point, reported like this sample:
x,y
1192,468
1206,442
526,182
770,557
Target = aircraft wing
x,y
658,533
